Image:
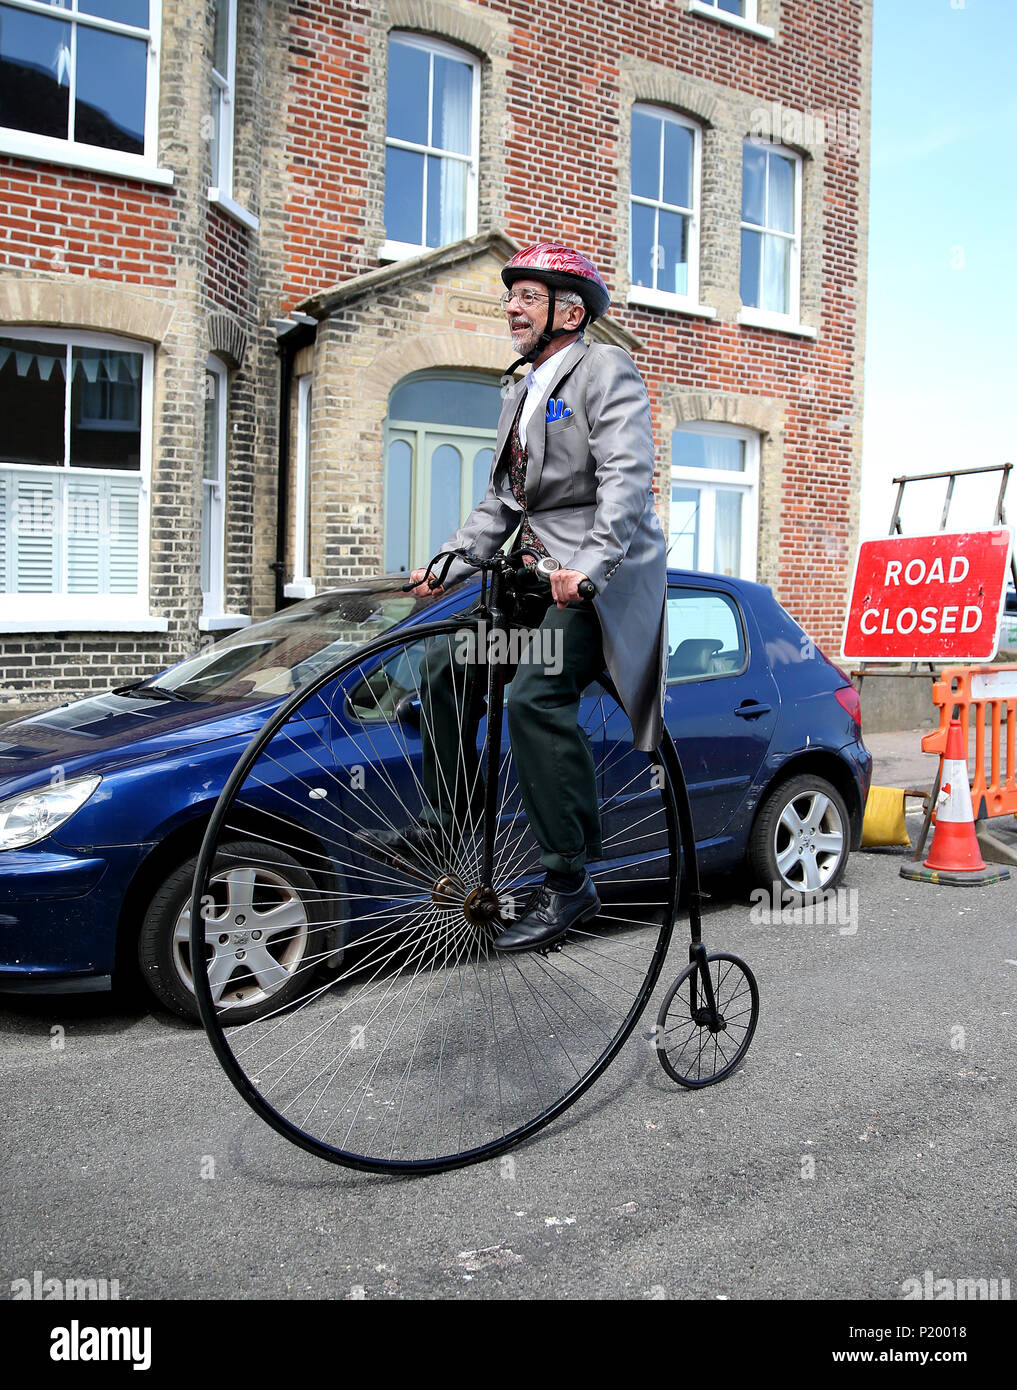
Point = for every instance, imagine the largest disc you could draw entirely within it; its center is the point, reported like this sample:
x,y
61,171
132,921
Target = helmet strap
x,y
548,336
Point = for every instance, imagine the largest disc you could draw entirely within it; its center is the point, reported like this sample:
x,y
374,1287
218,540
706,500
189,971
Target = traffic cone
x,y
954,857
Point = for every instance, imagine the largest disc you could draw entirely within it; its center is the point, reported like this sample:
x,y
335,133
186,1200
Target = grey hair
x,y
568,297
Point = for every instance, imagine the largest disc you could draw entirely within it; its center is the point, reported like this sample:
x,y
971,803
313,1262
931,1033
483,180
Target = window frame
x,y
53,149
302,585
751,313
62,611
642,294
213,601
220,190
749,21
402,250
710,480
677,588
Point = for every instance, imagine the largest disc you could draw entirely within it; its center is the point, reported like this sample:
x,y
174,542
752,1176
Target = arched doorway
x,y
439,447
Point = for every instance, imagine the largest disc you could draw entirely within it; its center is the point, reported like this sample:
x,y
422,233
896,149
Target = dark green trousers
x,y
552,756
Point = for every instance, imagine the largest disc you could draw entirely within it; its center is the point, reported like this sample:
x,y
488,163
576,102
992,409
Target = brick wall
x,y
53,219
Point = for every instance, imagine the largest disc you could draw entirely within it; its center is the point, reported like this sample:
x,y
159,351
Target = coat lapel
x,y
535,430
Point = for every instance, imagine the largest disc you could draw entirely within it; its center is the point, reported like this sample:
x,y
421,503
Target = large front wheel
x,y
430,1049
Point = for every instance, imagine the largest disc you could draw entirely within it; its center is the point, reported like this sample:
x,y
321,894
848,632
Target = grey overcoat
x,y
589,495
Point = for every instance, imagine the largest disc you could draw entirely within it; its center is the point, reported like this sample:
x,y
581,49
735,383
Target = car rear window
x,y
705,635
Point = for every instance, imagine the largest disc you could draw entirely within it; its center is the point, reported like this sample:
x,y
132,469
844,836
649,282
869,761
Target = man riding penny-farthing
x,y
487,923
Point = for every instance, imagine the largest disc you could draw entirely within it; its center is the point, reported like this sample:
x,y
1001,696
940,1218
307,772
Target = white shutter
x,y
36,531
123,535
85,521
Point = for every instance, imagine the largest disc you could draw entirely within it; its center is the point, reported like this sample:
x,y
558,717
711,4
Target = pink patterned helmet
x,y
564,269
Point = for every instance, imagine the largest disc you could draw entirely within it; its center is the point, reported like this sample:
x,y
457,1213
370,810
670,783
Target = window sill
x,y
224,622
300,588
400,251
657,299
780,323
89,157
70,623
238,213
748,26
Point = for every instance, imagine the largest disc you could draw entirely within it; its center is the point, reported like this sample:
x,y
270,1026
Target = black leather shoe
x,y
547,916
415,844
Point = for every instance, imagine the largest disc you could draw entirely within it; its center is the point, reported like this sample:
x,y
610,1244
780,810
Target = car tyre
x,y
801,838
278,957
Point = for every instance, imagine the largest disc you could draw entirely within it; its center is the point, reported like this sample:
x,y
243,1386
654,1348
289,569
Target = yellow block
x,y
884,823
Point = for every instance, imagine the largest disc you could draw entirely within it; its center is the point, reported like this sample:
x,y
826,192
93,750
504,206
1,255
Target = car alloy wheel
x,y
800,839
256,933
266,933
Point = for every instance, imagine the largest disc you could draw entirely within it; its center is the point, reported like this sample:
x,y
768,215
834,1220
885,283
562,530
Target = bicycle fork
x,y
709,1017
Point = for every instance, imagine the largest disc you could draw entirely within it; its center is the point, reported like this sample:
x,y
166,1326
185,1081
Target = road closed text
x,y
945,618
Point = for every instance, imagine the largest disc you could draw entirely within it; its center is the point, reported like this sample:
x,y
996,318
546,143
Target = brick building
x,y
250,340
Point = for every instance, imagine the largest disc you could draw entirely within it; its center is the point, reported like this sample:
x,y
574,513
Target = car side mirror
x,y
407,711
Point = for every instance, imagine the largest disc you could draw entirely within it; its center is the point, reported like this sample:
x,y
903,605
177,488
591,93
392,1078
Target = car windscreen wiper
x,y
150,692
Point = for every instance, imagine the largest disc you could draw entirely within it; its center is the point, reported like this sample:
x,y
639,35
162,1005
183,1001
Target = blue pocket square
x,y
557,410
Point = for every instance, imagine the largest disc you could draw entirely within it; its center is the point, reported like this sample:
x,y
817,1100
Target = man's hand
x,y
565,586
422,590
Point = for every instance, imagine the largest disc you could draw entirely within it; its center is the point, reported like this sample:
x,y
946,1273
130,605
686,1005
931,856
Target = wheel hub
x,y
704,1019
481,907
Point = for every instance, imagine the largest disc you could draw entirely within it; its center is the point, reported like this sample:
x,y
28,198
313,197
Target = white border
x,y
302,585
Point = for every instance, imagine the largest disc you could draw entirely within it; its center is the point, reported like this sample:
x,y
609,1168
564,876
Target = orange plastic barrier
x,y
987,694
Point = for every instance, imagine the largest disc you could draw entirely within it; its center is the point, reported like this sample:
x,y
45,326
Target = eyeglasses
x,y
525,298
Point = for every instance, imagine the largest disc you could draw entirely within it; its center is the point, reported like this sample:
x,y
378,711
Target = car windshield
x,y
279,655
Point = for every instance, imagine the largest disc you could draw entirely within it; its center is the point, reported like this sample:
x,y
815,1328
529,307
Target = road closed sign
x,y
928,598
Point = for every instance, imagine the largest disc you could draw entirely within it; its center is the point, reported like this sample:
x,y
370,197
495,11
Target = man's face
x,y
526,323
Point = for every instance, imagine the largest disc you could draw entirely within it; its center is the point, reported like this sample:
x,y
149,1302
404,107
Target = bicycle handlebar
x,y
546,565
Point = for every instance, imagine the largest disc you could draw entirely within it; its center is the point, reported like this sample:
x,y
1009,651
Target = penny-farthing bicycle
x,y
402,1041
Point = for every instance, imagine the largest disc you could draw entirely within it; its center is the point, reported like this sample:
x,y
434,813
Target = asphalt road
x,y
867,1139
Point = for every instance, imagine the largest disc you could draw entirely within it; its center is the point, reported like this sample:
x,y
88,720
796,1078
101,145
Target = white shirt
x,y
537,381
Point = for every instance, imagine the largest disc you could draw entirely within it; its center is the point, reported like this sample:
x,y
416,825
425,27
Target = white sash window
x,y
714,506
75,461
431,145
79,83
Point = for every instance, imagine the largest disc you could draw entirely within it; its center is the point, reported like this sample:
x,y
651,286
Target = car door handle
x,y
752,709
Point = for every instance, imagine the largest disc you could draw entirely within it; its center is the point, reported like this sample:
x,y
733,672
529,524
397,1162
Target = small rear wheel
x,y
695,1045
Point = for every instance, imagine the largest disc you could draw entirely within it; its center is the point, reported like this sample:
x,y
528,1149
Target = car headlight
x,y
31,816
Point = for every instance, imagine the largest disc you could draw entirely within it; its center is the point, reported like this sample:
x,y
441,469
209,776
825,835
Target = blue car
x,y
104,802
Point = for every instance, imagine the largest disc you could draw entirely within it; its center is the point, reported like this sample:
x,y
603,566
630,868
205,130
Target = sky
x,y
940,362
